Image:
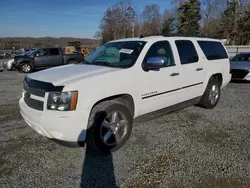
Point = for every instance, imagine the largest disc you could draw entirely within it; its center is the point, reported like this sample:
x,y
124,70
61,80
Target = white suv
x,y
97,100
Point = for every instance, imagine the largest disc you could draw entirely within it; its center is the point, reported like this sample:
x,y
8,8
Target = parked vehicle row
x,y
2,54
96,101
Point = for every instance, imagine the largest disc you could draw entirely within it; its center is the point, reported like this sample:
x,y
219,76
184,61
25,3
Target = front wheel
x,y
26,68
110,126
212,94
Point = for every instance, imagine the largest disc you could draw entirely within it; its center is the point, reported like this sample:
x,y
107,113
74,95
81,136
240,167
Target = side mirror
x,y
155,63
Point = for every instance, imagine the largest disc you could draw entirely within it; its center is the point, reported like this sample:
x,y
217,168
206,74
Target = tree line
x,y
8,43
221,19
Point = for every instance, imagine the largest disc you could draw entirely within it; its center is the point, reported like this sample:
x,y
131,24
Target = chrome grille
x,y
33,103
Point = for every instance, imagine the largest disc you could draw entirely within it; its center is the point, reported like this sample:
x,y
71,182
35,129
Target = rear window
x,y
54,51
213,50
187,51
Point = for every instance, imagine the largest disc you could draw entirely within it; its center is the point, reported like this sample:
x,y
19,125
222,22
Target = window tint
x,y
187,51
41,52
213,50
53,51
161,49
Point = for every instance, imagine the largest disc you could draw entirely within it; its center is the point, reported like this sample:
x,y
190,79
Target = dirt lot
x,y
193,147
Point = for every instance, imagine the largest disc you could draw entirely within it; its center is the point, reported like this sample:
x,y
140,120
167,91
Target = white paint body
x,y
95,83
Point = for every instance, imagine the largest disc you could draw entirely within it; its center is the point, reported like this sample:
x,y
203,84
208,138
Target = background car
x,y
240,67
2,54
8,65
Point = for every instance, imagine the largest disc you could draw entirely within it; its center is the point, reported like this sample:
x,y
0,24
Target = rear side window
x,y
213,50
187,51
54,51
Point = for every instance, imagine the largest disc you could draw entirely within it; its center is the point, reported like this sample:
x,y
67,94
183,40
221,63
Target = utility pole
x,y
133,29
236,17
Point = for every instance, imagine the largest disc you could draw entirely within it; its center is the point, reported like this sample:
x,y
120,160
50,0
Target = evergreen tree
x,y
189,18
168,26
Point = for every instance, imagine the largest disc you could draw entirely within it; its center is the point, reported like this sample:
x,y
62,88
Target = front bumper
x,y
7,65
62,126
240,74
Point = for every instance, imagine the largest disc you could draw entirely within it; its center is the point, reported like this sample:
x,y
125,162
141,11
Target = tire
x,y
104,138
72,62
211,95
26,68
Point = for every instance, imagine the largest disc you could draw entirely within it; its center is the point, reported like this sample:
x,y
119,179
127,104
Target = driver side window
x,y
161,49
41,52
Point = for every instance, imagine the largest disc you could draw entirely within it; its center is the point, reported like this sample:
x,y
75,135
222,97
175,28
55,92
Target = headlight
x,y
62,101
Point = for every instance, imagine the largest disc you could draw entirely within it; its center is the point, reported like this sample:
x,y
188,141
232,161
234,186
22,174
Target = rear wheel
x,y
110,126
26,68
212,94
72,62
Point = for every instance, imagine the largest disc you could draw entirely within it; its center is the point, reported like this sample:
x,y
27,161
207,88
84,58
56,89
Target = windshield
x,y
116,54
241,57
28,53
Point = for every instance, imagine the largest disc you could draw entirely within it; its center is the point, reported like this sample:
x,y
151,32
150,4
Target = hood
x,y
241,65
62,74
22,57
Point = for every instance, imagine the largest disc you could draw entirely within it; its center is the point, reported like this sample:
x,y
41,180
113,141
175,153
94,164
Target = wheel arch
x,y
125,98
27,62
219,77
71,59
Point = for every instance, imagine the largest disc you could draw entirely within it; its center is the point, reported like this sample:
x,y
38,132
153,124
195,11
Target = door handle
x,y
199,69
174,74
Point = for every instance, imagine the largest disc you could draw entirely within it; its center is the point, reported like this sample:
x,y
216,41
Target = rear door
x,y
192,69
54,57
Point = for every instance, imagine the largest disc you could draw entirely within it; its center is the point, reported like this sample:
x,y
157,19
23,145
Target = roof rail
x,y
142,36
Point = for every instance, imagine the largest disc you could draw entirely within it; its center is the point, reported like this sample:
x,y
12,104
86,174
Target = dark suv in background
x,y
45,58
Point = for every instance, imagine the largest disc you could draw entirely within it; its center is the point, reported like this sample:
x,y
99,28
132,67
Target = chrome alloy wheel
x,y
214,94
113,128
26,68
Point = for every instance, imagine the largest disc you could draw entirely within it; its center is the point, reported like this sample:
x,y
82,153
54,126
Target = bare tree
x,y
119,21
169,23
151,20
97,36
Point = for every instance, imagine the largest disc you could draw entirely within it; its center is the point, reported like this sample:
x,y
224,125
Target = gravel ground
x,y
192,147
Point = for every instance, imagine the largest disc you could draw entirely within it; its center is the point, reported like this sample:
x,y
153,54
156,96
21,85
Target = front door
x,y
41,58
159,88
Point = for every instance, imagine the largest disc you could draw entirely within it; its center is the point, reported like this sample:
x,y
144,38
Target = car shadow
x,y
98,168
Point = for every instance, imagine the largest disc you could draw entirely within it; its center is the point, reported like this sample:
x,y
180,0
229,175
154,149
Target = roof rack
x,y
142,36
